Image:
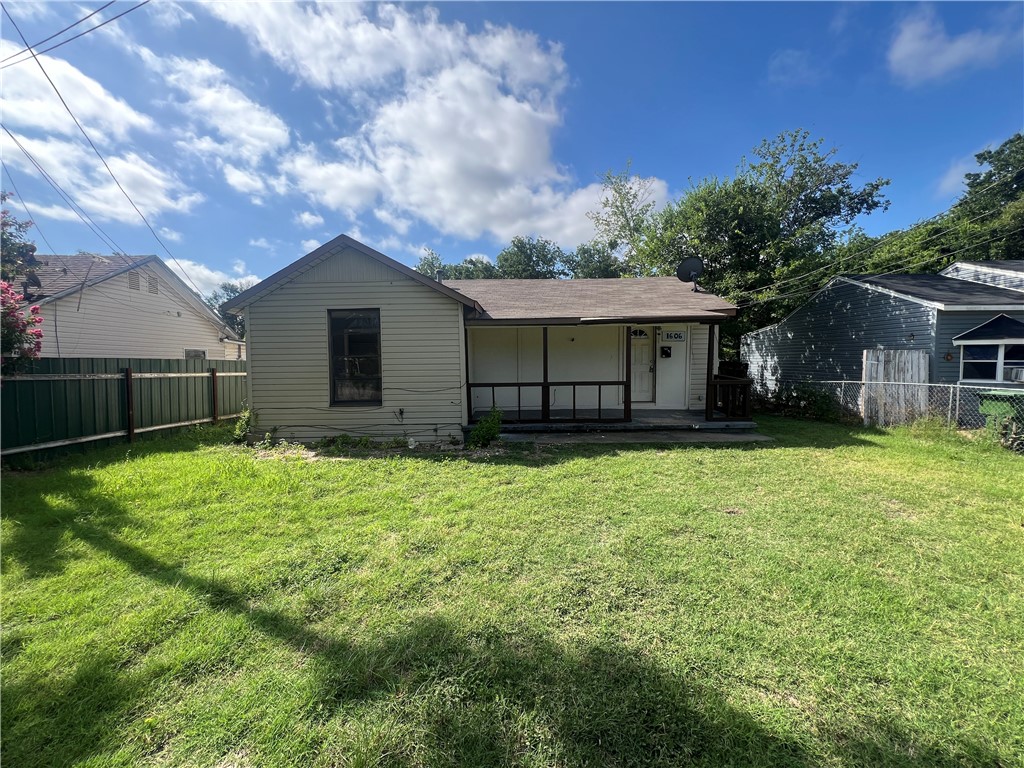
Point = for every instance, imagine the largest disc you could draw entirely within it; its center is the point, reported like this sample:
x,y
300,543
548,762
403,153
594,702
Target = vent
x,y
195,354
154,285
133,281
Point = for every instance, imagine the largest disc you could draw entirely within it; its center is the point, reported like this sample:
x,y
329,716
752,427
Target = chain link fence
x,y
958,406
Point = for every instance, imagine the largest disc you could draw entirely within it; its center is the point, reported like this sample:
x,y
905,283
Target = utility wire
x,y
75,37
881,242
69,201
100,156
60,32
899,268
27,212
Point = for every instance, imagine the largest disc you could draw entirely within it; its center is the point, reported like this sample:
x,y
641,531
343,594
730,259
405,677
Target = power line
x,y
899,268
75,37
881,242
68,200
100,155
60,32
25,206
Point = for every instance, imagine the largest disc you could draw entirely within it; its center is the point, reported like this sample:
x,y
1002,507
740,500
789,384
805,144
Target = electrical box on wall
x,y
666,352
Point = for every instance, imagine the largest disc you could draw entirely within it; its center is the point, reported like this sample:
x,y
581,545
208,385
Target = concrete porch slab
x,y
678,437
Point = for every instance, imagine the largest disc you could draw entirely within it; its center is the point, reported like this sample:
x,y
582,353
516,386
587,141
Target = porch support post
x,y
627,389
709,395
545,391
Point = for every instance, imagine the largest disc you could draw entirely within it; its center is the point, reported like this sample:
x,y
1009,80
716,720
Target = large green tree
x,y
529,258
624,218
471,268
782,215
224,293
593,259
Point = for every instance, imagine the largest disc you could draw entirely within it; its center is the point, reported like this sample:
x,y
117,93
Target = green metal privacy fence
x,y
60,402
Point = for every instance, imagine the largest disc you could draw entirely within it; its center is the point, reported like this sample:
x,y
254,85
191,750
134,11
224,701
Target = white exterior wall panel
x,y
421,355
113,320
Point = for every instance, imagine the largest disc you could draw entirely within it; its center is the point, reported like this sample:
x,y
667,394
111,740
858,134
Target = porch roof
x,y
595,301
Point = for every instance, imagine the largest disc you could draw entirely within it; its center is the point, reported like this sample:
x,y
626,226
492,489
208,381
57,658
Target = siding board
x,y
825,339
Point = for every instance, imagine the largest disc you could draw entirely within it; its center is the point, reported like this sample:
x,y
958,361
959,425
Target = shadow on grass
x,y
456,695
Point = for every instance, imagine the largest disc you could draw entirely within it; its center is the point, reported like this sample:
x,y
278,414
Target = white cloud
x,y
309,219
309,245
79,172
168,14
30,10
31,104
170,234
238,267
262,242
792,68
242,180
205,278
922,50
247,131
455,127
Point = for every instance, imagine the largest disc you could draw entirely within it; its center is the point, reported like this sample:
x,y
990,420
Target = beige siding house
x,y
130,306
348,340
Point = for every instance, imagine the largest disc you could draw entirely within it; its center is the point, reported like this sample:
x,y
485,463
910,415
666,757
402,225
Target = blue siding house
x,y
824,340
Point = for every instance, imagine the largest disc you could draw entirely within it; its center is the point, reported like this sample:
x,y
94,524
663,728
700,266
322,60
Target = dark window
x,y
355,356
981,361
195,354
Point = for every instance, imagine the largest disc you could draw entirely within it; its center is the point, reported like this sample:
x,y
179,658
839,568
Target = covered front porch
x,y
615,375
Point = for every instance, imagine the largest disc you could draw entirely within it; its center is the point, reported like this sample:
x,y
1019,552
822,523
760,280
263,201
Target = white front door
x,y
642,374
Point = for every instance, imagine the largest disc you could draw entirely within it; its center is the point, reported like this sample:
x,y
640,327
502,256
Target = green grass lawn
x,y
842,596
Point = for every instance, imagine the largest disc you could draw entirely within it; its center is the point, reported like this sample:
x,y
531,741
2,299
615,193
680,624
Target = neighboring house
x,y
825,339
125,306
349,340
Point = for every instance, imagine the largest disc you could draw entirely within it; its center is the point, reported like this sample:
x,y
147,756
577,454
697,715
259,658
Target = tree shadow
x,y
462,695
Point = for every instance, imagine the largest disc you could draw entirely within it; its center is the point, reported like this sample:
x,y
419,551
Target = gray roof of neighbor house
x,y
944,291
1004,265
570,302
61,274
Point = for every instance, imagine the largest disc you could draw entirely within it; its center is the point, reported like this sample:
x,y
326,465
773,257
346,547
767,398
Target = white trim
x,y
895,294
1000,360
960,343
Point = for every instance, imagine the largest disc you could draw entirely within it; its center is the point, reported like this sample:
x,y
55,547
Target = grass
x,y
841,597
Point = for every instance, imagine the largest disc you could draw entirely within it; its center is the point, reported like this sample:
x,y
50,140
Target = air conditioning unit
x,y
1015,374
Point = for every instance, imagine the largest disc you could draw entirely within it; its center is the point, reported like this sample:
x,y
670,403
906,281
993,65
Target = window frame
x,y
1000,361
332,380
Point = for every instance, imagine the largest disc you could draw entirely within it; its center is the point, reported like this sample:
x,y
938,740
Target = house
x,y
966,319
349,340
124,306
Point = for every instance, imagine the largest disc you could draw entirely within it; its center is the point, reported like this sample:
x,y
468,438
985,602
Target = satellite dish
x,y
689,270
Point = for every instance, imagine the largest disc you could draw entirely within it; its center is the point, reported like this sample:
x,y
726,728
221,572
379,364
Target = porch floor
x,y
643,420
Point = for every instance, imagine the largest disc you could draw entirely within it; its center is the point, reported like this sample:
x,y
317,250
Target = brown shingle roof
x,y
646,299
67,272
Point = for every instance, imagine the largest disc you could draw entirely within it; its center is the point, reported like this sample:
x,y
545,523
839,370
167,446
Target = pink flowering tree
x,y
20,338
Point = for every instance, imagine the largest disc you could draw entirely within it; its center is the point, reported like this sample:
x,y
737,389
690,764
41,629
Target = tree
x,y
20,340
531,258
783,215
17,252
224,293
593,259
471,268
624,217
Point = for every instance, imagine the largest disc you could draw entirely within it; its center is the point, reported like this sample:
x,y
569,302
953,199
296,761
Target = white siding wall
x,y
421,354
115,321
698,366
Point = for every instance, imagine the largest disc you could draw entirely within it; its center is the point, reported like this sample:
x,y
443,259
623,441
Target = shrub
x,y
246,421
21,340
486,430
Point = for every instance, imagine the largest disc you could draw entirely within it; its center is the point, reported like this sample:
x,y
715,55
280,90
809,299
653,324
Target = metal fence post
x,y
129,405
213,389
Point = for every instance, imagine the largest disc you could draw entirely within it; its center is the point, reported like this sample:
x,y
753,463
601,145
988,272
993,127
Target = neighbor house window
x,y
355,356
990,362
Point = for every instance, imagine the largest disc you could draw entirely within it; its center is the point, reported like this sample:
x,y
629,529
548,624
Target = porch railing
x,y
578,413
730,397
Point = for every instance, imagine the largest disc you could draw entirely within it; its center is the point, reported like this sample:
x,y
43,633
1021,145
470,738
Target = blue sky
x,y
248,133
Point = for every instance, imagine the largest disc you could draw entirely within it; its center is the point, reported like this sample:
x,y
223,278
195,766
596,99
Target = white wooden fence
x,y
901,400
